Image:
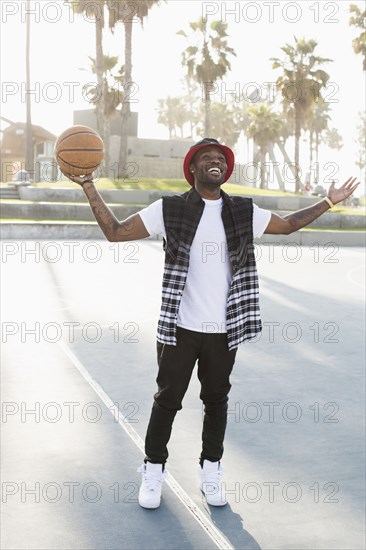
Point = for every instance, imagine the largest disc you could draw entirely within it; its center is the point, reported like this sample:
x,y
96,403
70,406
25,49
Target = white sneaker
x,y
210,483
152,479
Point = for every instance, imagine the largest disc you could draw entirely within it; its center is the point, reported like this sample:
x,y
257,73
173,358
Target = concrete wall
x,y
71,204
87,117
91,231
56,194
161,148
59,211
49,210
163,168
163,158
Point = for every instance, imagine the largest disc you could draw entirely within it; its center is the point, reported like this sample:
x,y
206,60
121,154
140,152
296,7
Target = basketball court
x,y
78,376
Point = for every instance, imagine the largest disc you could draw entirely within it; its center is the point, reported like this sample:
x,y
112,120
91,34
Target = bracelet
x,y
86,181
327,199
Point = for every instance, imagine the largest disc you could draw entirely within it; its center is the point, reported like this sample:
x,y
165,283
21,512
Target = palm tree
x,y
287,131
316,122
207,60
112,98
333,139
264,129
191,100
300,84
357,20
125,11
224,124
166,114
29,153
242,120
173,114
96,9
361,142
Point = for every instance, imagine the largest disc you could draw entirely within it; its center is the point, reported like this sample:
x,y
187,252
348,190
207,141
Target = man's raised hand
x,y
342,193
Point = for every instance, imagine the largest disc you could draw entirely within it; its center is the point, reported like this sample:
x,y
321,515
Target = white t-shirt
x,y
204,299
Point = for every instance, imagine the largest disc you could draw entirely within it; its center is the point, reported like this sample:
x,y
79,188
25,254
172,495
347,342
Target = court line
x,y
215,534
350,276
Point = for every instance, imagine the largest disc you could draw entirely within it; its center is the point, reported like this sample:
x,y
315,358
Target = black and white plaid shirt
x,y
182,214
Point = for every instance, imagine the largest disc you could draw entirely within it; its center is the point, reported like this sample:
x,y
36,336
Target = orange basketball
x,y
79,150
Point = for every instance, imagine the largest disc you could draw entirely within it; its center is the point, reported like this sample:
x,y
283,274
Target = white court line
x,y
216,535
350,276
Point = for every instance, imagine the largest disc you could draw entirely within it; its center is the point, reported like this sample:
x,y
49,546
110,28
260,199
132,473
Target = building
x,y
13,148
147,158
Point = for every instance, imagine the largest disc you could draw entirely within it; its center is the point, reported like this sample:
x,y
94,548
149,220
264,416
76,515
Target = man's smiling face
x,y
209,165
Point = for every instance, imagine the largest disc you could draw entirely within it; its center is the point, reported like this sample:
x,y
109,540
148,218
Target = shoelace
x,y
214,476
152,481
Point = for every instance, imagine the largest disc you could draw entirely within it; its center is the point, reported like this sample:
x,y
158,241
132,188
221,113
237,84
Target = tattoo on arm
x,y
103,214
303,217
128,225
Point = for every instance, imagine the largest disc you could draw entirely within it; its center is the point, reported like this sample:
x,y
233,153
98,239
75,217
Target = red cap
x,y
206,142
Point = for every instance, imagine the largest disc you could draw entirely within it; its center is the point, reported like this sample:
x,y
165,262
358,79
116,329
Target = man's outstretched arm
x,y
296,220
130,229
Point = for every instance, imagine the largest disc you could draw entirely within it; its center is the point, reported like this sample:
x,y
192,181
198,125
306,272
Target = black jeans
x,y
176,363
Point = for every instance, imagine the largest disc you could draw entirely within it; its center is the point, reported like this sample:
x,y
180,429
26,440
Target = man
x,y
209,299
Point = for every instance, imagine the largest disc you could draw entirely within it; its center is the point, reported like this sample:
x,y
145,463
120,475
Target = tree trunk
x,y
101,97
298,183
255,152
106,134
29,149
256,163
263,169
311,145
286,158
316,157
207,113
277,171
125,110
191,107
107,143
99,67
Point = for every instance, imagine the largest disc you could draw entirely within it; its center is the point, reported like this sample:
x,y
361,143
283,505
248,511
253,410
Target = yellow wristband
x,y
329,201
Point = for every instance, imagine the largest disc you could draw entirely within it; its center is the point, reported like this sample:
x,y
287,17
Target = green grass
x,y
32,220
85,203
151,184
334,229
180,185
349,211
80,222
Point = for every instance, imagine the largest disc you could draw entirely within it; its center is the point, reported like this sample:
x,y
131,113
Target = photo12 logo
x,y
274,491
70,251
271,12
53,92
54,332
271,412
68,411
254,92
67,11
89,492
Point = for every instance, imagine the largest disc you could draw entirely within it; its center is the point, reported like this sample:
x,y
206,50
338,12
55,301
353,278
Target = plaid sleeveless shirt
x,y
182,214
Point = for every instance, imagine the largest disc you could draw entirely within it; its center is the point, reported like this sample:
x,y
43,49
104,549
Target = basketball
x,y
79,150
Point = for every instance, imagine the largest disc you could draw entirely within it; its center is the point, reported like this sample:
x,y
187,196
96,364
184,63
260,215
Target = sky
x,y
61,43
